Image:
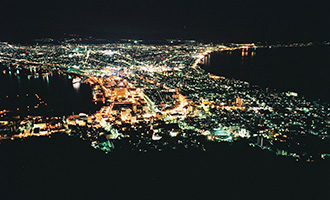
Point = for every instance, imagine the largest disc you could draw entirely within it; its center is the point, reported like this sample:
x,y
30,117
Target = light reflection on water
x,y
76,86
304,70
61,96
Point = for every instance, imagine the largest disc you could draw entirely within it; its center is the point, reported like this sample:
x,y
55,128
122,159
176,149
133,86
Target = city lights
x,y
157,97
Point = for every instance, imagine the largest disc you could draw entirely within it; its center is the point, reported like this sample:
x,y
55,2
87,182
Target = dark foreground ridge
x,y
63,167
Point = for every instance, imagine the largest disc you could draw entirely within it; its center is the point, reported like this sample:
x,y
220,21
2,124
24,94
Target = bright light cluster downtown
x,y
156,97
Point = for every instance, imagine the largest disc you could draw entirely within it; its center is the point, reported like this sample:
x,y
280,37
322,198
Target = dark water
x,y
56,90
304,70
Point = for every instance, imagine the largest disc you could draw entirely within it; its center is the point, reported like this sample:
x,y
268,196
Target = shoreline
x,y
43,81
235,67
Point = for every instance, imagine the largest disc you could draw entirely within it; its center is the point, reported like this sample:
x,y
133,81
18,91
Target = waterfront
x,y
304,70
58,96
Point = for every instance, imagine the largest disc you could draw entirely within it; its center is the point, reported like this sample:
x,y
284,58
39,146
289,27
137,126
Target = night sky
x,y
150,19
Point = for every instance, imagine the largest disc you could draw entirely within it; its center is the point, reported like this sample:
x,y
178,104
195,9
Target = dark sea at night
x,y
63,167
19,87
305,70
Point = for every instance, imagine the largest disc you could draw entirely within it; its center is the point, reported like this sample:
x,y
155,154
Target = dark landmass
x,y
63,167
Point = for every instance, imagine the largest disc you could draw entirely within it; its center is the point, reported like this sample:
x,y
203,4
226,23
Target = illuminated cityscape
x,y
158,98
164,100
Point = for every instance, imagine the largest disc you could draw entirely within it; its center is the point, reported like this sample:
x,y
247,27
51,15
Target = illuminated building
x,y
121,92
239,101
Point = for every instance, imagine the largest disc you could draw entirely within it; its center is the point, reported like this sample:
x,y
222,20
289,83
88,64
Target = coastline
x,y
302,76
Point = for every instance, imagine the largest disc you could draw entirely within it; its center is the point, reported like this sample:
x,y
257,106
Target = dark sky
x,y
234,20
